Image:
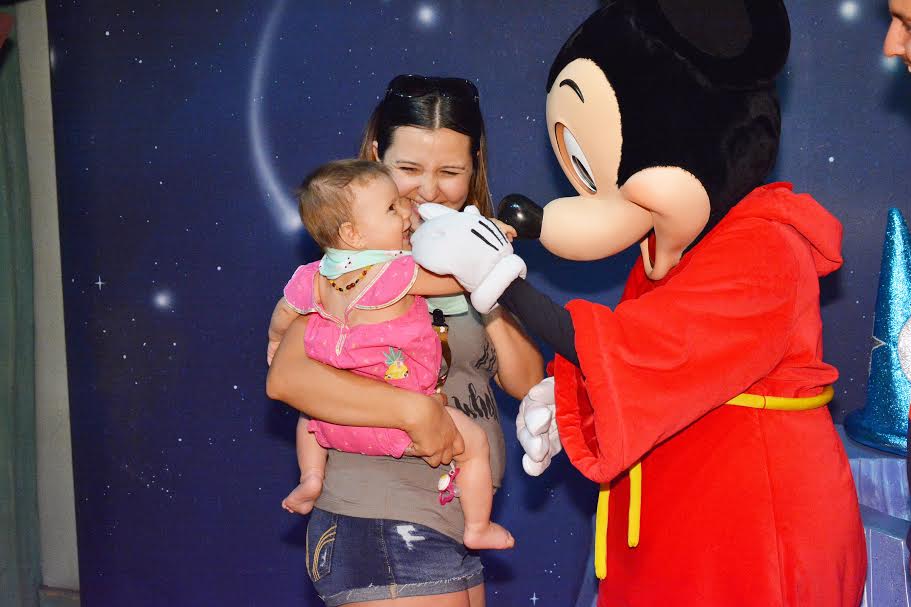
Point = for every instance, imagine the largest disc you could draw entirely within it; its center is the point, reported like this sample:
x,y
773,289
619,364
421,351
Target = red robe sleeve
x,y
659,362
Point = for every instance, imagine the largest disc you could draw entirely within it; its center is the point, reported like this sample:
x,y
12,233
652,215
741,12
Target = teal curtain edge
x,y
20,579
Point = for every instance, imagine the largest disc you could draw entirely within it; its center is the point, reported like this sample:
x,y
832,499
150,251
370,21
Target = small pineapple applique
x,y
395,365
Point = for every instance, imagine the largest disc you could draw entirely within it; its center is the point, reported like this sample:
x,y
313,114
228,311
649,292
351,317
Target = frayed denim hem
x,y
393,591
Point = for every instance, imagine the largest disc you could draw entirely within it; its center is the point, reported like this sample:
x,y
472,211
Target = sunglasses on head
x,y
410,85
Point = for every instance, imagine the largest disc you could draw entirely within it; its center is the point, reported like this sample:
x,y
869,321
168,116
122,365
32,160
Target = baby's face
x,y
381,216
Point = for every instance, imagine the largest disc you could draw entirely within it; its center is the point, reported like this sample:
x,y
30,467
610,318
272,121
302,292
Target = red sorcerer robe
x,y
740,506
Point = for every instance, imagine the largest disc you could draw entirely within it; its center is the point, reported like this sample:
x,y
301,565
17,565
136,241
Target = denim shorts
x,y
352,559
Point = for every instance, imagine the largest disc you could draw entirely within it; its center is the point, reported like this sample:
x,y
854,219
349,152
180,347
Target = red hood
x,y
778,202
6,24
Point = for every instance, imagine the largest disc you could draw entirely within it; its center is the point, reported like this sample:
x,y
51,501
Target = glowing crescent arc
x,y
277,198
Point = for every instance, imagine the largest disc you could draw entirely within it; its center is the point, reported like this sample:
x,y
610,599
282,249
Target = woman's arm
x,y
520,363
342,397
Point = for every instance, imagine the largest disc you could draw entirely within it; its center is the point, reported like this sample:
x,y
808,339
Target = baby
x,y
367,316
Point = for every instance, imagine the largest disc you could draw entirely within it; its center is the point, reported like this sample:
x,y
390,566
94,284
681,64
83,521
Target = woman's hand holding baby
x,y
433,434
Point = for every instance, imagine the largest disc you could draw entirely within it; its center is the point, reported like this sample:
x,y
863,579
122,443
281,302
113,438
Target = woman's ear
x,y
376,151
349,236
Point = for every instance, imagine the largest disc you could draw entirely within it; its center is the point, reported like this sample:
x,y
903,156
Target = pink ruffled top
x,y
404,351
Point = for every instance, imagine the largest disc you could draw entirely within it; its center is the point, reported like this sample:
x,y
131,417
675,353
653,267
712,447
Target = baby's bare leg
x,y
477,488
311,458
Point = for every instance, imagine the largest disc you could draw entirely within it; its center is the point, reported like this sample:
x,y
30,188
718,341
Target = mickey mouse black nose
x,y
522,214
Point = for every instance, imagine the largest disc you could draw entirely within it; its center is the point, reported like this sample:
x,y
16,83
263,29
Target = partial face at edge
x,y
898,37
584,124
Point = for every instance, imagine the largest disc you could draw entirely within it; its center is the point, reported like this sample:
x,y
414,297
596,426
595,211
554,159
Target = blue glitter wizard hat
x,y
883,422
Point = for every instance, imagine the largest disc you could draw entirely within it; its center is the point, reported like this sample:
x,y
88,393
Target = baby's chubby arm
x,y
430,284
282,317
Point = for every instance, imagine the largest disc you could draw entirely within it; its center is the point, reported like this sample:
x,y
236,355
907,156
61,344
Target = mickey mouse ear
x,y
733,43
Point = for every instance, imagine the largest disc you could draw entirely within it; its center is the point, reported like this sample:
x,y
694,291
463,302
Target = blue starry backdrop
x,y
181,129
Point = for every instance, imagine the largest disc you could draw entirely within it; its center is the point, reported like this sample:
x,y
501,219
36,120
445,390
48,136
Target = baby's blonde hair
x,y
324,197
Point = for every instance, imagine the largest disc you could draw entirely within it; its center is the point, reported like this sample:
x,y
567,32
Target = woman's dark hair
x,y
437,106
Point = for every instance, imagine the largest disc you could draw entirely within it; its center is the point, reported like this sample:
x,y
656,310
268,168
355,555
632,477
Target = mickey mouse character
x,y
698,402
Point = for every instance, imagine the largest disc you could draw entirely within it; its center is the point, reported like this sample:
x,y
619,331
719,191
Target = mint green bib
x,y
336,262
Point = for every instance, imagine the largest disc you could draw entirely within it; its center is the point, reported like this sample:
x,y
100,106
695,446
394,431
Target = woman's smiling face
x,y
430,166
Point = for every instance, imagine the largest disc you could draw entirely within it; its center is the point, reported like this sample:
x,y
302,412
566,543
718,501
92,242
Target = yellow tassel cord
x,y
635,505
752,401
601,532
635,514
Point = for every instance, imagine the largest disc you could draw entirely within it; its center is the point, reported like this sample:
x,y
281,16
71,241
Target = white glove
x,y
468,246
536,427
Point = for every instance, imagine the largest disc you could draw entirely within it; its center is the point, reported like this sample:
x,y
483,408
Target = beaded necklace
x,y
351,284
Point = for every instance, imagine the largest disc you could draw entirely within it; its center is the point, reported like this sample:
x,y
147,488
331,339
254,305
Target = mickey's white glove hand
x,y
536,428
468,246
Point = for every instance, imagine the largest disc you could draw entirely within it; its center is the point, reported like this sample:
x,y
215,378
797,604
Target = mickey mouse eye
x,y
578,160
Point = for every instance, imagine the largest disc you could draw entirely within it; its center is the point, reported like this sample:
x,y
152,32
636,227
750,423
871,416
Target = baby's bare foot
x,y
487,537
302,498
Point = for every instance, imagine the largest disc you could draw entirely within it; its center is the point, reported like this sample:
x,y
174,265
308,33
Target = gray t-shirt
x,y
406,489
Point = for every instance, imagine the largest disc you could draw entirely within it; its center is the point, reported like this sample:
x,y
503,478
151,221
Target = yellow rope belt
x,y
753,401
